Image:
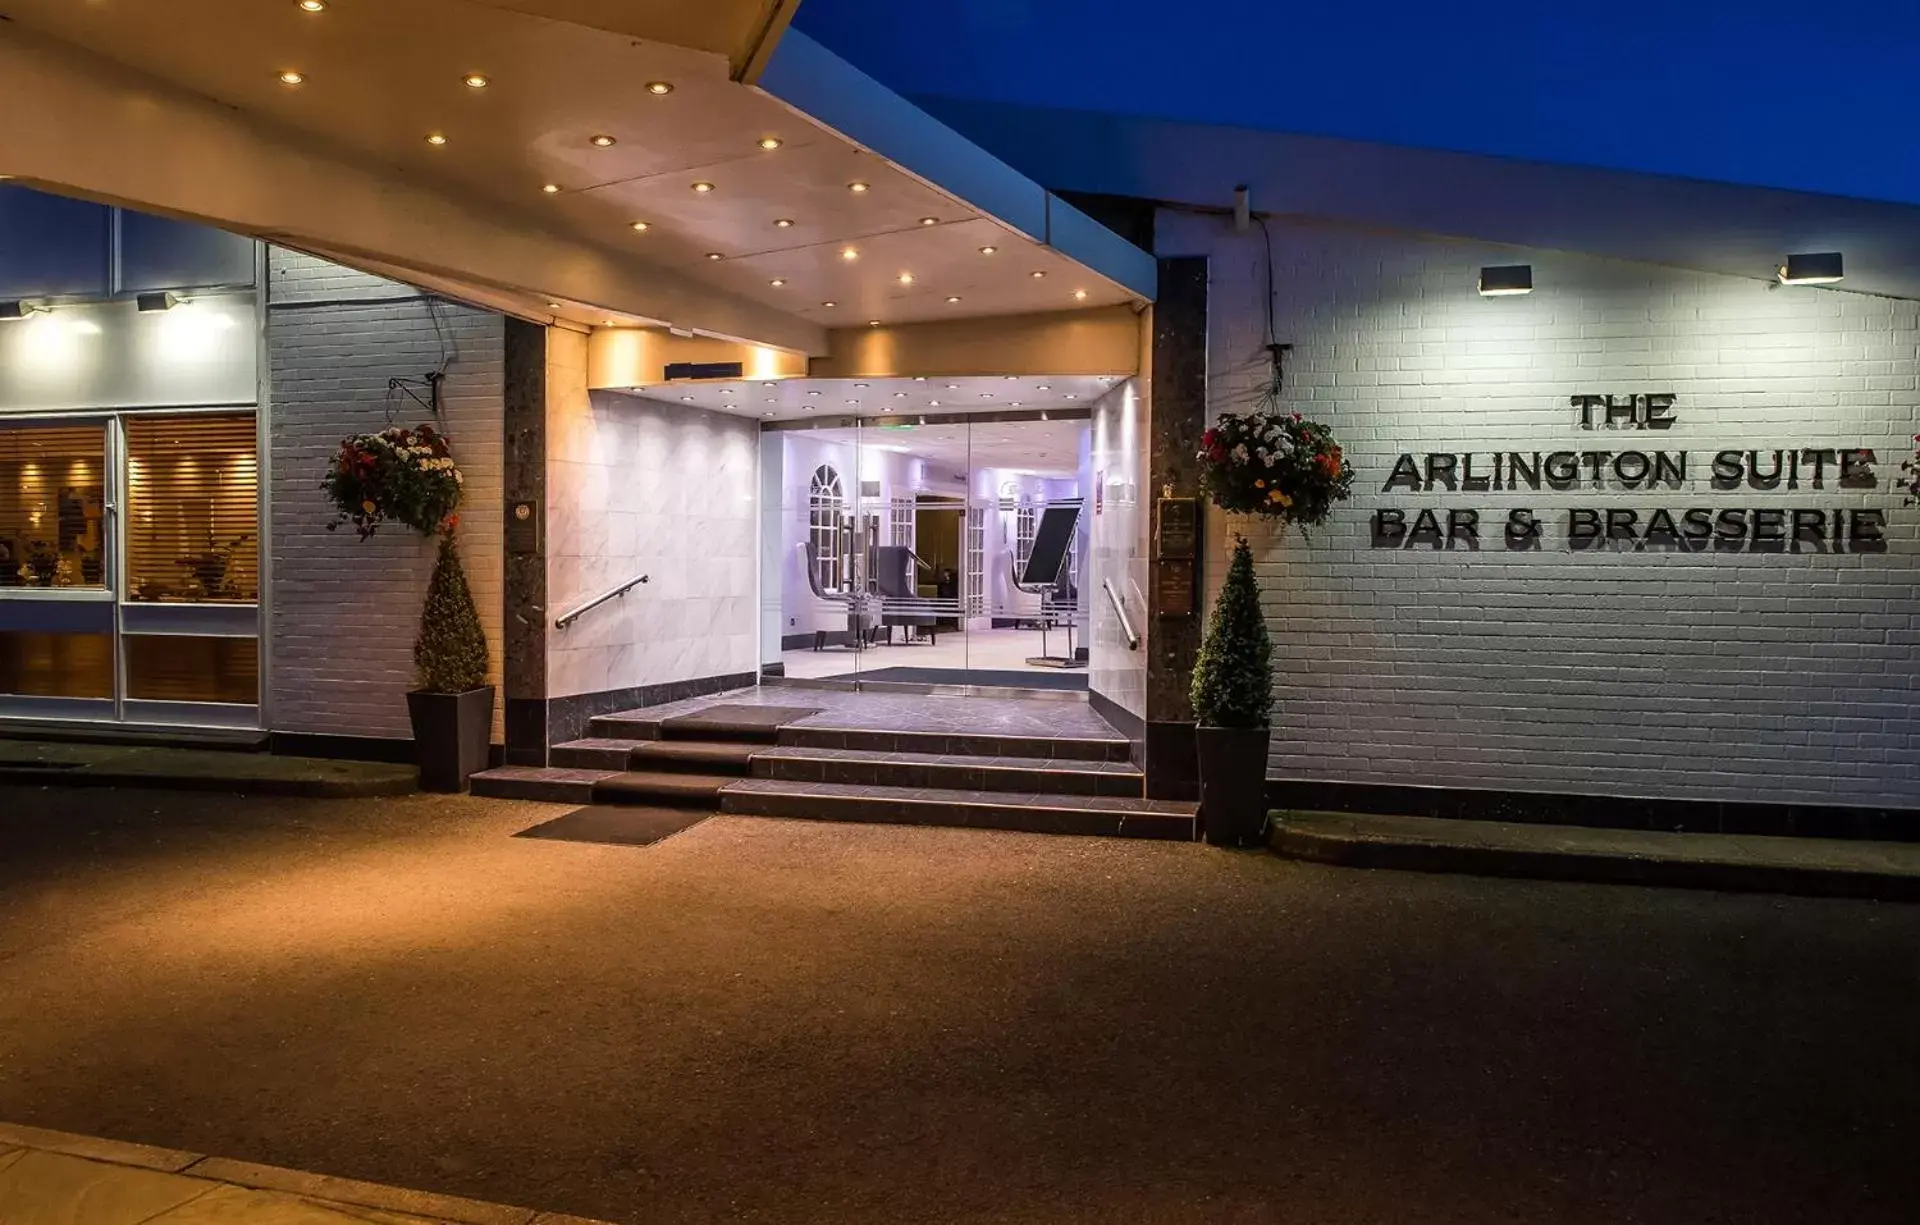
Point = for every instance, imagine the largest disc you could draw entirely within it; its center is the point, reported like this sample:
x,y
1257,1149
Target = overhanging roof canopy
x,y
612,166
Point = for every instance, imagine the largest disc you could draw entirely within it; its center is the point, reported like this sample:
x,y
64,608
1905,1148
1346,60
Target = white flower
x,y
1239,453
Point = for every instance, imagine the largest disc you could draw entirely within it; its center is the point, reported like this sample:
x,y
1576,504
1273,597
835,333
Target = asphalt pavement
x,y
802,1022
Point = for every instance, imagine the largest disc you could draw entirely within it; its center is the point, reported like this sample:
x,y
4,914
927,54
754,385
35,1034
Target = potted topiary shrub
x,y
1232,697
452,710
408,476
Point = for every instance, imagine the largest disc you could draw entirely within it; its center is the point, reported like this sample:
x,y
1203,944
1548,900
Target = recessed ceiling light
x,y
988,250
293,78
474,80
933,404
436,138
899,395
953,297
609,323
601,141
953,387
1013,378
1044,387
766,384
854,402
919,378
906,278
859,385
783,223
313,6
856,187
813,393
929,221
550,188
886,408
715,255
643,226
703,187
873,323
659,87
1072,396
1036,274
766,414
1014,404
726,391
777,282
769,142
772,400
688,399
986,395
849,253
829,304
553,306
1080,295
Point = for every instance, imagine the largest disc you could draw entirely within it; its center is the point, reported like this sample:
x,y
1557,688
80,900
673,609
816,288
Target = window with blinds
x,y
193,509
52,494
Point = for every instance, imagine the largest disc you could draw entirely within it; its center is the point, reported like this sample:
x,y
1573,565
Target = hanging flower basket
x,y
1278,465
398,475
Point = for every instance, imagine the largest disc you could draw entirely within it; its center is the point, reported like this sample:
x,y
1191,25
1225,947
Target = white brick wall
x,y
1734,676
345,611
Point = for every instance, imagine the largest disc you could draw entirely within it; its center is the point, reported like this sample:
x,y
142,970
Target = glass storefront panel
x,y
45,665
193,509
52,500
174,668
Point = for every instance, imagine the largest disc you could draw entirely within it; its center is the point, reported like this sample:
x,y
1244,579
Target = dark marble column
x,y
1177,415
525,670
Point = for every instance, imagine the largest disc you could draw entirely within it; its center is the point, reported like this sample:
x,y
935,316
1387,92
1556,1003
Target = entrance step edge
x,y
555,784
1048,814
1036,775
967,744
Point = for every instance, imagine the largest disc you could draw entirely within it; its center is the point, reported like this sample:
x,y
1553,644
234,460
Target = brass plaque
x,y
1173,587
1177,528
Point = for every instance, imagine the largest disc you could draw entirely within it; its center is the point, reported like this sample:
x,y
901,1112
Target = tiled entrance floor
x,y
55,1178
913,712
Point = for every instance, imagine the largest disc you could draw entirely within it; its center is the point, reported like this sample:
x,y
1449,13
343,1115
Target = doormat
x,y
1049,678
617,825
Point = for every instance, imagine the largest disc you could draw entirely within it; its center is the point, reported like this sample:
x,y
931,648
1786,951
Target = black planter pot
x,y
451,735
1233,784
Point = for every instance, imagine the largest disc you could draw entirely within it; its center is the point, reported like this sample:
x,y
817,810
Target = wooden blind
x,y
52,533
193,509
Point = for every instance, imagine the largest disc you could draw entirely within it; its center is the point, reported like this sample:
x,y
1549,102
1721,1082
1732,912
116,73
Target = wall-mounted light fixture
x,y
1816,268
150,303
1506,280
19,310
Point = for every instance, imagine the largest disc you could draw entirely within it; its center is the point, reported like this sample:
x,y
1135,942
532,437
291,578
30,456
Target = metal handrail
x,y
1120,611
565,619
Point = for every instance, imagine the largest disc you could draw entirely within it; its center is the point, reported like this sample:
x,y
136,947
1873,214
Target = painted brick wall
x,y
344,612
1667,672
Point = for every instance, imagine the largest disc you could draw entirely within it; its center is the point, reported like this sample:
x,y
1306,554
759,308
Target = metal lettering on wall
x,y
1759,528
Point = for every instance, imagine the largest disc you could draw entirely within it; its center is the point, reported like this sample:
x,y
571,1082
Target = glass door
x,y
56,565
129,569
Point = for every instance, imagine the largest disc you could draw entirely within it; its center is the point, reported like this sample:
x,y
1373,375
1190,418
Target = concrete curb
x,y
320,1190
308,788
1361,849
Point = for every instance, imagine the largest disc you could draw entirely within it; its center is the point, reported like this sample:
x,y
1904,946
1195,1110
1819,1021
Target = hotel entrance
x,y
927,532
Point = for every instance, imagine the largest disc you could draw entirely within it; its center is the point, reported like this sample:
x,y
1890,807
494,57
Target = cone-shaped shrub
x,y
1233,677
450,655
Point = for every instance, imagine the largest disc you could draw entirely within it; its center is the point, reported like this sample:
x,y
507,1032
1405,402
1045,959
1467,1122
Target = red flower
x,y
1210,439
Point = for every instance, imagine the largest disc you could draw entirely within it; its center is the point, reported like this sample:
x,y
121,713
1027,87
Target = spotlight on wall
x,y
150,303
1506,280
19,310
1817,268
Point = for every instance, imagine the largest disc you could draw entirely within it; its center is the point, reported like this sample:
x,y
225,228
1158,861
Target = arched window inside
x,y
825,501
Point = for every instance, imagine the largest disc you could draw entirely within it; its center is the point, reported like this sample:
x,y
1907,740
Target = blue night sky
x,y
1820,95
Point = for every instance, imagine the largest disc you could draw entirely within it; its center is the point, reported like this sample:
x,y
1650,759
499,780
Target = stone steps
x,y
684,756
1107,816
1034,775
